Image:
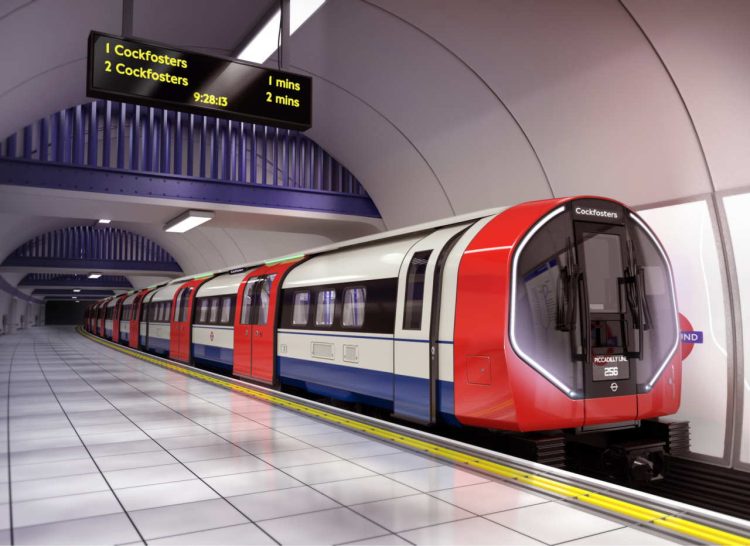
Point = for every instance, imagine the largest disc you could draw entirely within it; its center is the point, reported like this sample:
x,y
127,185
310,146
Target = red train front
x,y
565,318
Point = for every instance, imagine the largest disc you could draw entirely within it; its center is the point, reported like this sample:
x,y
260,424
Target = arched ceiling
x,y
441,107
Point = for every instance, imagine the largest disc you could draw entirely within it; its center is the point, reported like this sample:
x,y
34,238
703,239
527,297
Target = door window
x,y
246,314
415,278
264,299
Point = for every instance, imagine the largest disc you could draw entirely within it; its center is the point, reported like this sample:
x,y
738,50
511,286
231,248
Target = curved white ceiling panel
x,y
442,110
706,47
44,56
585,85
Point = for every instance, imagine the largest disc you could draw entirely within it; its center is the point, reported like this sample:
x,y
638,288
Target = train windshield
x,y
593,302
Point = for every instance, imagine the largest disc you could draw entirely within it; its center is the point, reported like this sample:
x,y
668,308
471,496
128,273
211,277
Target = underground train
x,y
553,314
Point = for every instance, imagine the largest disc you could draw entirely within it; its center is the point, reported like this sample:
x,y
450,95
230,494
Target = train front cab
x,y
585,293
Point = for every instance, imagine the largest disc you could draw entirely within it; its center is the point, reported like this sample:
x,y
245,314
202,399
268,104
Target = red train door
x,y
255,321
182,320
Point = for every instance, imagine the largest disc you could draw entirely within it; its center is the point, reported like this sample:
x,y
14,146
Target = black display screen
x,y
164,77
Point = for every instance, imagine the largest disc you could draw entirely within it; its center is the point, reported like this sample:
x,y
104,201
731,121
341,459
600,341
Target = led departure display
x,y
153,75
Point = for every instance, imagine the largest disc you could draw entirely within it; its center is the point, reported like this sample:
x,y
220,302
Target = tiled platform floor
x,y
98,447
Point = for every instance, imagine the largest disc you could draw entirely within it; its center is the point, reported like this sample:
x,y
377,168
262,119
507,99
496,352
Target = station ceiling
x,y
441,107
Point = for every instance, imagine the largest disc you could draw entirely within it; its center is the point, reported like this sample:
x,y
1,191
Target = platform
x,y
100,447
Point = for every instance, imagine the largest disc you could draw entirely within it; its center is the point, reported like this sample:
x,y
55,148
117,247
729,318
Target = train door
x,y
180,325
416,366
116,319
182,321
135,320
255,322
608,293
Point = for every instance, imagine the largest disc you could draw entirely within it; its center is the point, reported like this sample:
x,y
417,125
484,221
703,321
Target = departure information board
x,y
164,77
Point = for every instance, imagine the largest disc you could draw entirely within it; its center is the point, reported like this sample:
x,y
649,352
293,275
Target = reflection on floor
x,y
102,448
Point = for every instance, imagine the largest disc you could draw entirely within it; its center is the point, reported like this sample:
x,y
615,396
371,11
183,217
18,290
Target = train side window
x,y
226,309
213,315
415,277
167,310
354,307
264,299
203,311
324,309
301,308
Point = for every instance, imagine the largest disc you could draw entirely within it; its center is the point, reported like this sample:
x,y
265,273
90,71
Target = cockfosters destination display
x,y
154,75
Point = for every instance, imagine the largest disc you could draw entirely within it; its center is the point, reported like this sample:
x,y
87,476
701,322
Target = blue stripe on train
x,y
158,345
368,386
219,358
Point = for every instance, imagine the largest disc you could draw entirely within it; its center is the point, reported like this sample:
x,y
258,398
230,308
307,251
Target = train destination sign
x,y
164,77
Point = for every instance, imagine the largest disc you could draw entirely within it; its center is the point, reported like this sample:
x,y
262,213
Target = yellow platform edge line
x,y
632,511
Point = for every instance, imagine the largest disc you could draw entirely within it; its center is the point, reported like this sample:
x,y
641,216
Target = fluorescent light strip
x,y
266,41
656,242
94,275
104,221
188,220
530,361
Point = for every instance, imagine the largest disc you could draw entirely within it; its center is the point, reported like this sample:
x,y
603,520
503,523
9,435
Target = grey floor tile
x,y
46,470
4,516
333,439
134,460
242,534
298,457
486,498
553,522
44,443
328,472
148,475
110,529
395,462
122,448
254,435
467,531
181,519
278,443
58,487
228,465
385,540
284,502
53,455
437,477
327,527
410,512
36,512
164,494
369,489
195,440
236,425
308,429
627,536
113,437
173,432
365,448
251,482
204,453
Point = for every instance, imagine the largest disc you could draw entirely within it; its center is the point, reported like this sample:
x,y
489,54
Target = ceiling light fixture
x,y
94,275
266,40
104,221
188,220
76,290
